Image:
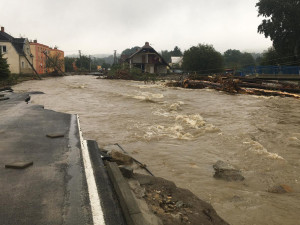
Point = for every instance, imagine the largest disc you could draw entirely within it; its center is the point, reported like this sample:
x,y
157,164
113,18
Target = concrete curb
x,y
130,208
109,202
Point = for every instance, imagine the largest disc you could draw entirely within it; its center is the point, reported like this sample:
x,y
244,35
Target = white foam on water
x,y
147,96
175,132
195,121
176,106
261,150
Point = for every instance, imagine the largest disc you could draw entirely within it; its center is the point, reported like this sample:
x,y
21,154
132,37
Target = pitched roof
x,y
18,43
5,36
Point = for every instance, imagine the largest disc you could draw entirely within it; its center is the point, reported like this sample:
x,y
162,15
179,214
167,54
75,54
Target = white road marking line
x,y
97,213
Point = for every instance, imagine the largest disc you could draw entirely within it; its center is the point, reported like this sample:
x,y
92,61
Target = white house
x,y
17,51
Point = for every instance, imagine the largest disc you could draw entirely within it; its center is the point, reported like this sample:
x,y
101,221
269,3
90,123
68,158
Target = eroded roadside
x,y
31,133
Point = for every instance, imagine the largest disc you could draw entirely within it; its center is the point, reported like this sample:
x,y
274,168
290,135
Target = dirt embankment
x,y
175,206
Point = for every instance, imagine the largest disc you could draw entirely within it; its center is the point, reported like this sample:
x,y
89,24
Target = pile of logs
x,y
241,86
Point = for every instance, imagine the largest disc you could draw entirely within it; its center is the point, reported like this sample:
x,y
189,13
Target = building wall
x,y
39,58
12,57
152,62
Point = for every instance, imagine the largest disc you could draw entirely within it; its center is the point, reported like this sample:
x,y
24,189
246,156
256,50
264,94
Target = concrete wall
x,y
12,57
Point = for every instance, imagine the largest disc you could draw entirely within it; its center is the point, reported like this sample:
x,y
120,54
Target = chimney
x,y
2,29
35,41
147,43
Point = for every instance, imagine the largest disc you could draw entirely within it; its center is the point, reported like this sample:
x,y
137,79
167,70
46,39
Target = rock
x,y
227,172
179,204
127,171
121,158
137,189
280,189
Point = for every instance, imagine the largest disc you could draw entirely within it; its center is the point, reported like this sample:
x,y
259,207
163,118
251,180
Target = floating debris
x,y
19,165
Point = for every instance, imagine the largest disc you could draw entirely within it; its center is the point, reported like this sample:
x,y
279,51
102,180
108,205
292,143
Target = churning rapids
x,y
181,133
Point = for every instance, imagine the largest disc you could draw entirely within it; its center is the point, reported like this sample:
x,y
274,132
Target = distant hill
x,y
100,58
95,55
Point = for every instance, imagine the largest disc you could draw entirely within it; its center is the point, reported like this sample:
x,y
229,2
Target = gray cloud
x,y
101,26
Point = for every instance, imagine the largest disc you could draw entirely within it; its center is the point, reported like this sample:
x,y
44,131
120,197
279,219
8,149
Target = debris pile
x,y
240,85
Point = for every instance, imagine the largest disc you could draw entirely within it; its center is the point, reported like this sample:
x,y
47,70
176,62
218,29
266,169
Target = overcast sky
x,y
101,26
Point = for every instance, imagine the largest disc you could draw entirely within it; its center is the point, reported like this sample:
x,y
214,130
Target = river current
x,y
180,133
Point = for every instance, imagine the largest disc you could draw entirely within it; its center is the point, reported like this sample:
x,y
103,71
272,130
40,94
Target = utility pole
x,y
90,63
115,57
80,58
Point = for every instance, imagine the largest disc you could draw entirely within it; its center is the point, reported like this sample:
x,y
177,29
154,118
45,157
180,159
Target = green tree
x,y
69,64
176,51
271,57
203,59
235,59
282,25
83,63
55,63
4,67
232,58
166,55
130,51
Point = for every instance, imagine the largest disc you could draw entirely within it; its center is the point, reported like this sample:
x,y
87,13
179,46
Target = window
x,y
23,65
3,48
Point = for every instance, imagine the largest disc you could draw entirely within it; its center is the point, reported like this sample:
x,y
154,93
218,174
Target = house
x,y
17,51
176,61
40,59
148,60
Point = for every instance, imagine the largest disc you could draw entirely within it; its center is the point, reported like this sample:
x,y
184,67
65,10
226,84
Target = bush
x,y
4,67
125,73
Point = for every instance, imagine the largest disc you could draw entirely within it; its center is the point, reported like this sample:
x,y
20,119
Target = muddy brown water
x,y
181,133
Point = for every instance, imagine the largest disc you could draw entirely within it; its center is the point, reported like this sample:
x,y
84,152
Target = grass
x,y
14,79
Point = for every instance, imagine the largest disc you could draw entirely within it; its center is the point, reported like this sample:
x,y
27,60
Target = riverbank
x,y
181,133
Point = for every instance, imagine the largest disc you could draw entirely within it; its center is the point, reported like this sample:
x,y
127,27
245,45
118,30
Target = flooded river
x,y
181,133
